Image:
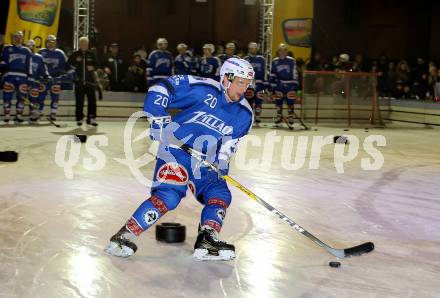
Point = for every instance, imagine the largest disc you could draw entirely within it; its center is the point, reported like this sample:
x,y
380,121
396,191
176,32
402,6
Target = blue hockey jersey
x,y
16,59
38,67
183,64
159,66
284,71
55,61
258,62
207,119
210,68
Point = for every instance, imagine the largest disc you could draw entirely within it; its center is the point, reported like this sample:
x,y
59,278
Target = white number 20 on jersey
x,y
161,100
211,101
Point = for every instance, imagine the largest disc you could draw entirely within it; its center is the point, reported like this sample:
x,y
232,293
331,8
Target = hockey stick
x,y
339,253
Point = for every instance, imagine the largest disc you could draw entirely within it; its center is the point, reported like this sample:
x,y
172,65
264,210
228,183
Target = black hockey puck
x,y
170,232
334,264
8,156
340,140
81,138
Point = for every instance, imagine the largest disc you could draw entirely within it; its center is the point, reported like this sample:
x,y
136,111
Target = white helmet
x,y
182,46
236,67
30,44
161,40
209,46
51,38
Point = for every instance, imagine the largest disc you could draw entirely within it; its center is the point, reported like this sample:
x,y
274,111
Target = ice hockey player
x,y
255,94
55,60
15,63
184,63
229,52
209,66
214,117
160,63
39,74
284,83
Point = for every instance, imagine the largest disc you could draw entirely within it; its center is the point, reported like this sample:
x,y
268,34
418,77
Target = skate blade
x,y
117,250
202,254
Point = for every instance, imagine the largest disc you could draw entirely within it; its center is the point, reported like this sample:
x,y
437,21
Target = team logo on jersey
x,y
172,173
221,214
212,122
151,216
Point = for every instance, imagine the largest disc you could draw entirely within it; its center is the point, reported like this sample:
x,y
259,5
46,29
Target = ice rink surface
x,y
53,229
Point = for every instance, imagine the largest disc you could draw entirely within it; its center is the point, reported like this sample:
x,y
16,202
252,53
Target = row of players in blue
x,y
282,82
31,76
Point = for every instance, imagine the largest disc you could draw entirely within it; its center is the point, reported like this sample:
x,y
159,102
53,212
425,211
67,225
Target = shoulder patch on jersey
x,y
193,80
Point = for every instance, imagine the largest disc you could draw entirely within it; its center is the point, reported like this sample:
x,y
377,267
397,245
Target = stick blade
x,y
359,249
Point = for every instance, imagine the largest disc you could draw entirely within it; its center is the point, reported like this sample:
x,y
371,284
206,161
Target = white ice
x,y
53,229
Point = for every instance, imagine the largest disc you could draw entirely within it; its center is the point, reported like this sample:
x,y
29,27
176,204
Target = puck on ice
x,y
334,264
170,232
81,138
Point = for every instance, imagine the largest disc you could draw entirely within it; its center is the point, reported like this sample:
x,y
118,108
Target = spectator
x,y
359,63
419,69
403,78
383,62
421,87
141,52
316,62
390,79
115,67
433,80
135,76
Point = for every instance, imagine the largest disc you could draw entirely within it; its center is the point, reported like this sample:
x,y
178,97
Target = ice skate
x,y
209,248
121,244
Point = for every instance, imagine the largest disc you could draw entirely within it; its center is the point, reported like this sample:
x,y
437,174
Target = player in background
x,y
214,117
55,60
39,74
209,66
255,94
229,52
160,63
284,83
115,67
184,63
15,64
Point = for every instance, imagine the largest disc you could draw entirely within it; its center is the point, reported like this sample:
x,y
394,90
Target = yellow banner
x,y
292,25
36,18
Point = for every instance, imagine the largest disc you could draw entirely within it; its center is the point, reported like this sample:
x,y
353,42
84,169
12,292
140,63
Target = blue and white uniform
x,y
208,123
184,64
159,67
39,72
255,93
15,62
284,79
210,68
56,64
